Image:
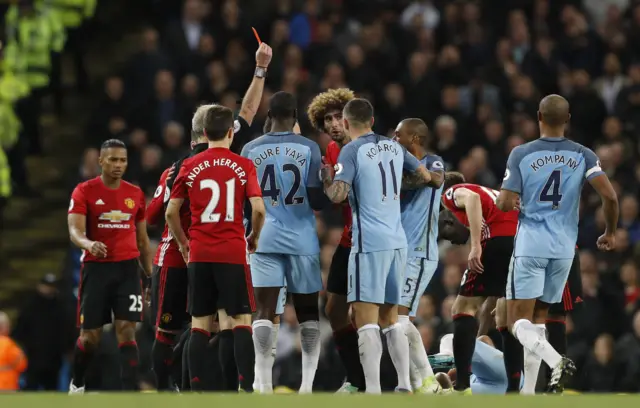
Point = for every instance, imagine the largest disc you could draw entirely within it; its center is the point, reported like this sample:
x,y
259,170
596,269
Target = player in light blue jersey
x,y
369,172
420,206
488,374
288,250
544,179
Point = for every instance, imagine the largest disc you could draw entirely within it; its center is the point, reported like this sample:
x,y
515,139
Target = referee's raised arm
x,y
252,99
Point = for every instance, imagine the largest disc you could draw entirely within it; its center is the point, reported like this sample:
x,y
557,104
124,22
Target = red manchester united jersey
x,y
333,151
495,223
167,253
216,182
111,215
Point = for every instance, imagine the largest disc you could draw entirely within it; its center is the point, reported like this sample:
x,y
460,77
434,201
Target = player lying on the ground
x,y
488,375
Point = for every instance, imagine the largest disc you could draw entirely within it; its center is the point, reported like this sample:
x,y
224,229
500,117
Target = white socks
x,y
532,364
399,351
310,339
370,347
262,344
420,367
274,347
533,339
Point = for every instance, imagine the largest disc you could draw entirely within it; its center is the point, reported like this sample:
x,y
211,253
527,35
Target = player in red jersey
x,y
170,270
325,114
217,182
491,233
106,220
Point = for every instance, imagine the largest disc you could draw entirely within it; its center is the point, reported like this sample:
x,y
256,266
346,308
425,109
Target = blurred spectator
x,y
12,359
46,312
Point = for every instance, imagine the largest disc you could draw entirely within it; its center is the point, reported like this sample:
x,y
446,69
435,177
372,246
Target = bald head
x,y
553,111
416,126
412,131
5,324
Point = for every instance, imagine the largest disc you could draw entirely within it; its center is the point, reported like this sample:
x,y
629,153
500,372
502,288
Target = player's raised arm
x,y
77,223
470,201
600,182
253,97
337,187
509,196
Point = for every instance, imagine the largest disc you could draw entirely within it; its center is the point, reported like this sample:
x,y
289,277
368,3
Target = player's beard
x,y
339,137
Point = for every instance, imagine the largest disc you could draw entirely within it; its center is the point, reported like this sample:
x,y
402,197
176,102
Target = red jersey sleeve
x,y
78,203
155,209
179,189
332,153
140,215
253,187
447,199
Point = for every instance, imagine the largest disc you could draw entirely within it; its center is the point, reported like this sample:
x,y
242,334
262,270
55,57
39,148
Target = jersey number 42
x,y
269,185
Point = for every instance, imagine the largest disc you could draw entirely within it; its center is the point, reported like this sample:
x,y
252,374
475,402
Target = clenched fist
x,y
263,55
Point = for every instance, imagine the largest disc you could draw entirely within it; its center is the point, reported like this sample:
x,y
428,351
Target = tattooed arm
x,y
416,179
337,191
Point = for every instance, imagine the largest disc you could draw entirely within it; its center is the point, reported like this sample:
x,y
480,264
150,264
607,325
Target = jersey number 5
x,y
270,188
208,215
551,191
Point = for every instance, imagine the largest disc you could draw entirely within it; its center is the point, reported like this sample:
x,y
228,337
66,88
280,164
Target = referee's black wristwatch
x,y
260,72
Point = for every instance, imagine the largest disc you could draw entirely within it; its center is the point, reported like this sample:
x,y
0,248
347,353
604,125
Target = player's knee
x,y
465,305
126,331
307,313
89,339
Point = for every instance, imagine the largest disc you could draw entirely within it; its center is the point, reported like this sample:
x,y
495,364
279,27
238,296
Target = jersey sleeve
x,y
160,197
253,187
241,134
435,164
347,164
411,164
179,189
140,215
315,163
512,180
447,198
593,168
78,203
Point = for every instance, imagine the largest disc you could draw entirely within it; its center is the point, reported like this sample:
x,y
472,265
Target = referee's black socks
x,y
513,359
162,358
197,349
465,329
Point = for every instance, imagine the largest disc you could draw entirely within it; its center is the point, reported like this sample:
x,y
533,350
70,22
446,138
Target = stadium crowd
x,y
474,71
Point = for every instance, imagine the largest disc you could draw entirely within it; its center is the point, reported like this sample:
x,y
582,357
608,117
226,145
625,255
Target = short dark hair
x,y
452,178
358,110
212,121
282,106
107,144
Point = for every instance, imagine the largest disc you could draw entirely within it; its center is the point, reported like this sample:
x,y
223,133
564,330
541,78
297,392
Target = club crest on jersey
x,y
115,216
129,203
166,318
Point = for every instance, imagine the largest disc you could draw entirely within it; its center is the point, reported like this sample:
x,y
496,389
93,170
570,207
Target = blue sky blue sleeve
x,y
347,163
411,164
593,168
435,164
512,180
313,177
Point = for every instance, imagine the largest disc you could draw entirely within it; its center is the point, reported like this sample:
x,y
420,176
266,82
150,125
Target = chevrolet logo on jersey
x,y
116,217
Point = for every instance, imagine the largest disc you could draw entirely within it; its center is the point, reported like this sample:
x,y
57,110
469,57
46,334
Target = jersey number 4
x,y
208,215
551,191
270,188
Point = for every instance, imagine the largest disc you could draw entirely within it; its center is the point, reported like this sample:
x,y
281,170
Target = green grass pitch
x,y
29,400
